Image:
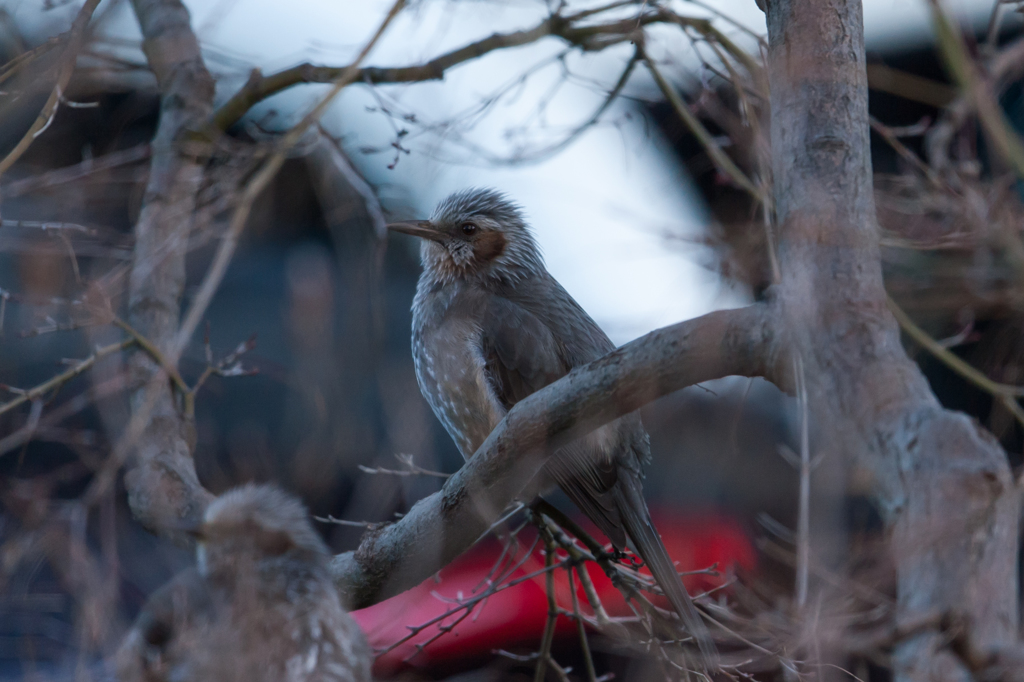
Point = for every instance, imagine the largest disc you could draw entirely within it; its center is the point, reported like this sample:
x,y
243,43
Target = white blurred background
x,y
602,208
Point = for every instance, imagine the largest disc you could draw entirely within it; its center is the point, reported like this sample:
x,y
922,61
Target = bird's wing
x,y
522,355
534,339
589,479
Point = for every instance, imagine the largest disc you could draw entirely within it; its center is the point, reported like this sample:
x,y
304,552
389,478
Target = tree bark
x,y
942,482
163,489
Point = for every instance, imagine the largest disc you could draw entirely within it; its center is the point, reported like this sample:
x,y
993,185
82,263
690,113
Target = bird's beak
x,y
418,228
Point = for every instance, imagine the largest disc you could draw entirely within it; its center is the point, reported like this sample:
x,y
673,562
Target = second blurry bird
x,y
259,607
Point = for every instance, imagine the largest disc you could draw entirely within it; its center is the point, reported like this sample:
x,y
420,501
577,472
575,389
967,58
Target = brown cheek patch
x,y
488,246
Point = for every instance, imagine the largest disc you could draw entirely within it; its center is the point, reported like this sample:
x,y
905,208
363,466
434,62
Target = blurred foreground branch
x,y
75,39
978,89
163,489
59,380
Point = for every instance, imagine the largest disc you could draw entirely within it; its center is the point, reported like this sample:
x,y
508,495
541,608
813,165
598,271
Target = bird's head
x,y
475,233
253,526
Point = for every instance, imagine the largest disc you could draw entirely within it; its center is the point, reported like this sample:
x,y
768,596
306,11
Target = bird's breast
x,y
451,374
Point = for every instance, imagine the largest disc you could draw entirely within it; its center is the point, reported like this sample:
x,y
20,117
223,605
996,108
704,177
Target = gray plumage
x,y
490,327
259,606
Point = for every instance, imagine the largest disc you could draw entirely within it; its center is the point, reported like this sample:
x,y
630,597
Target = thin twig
x,y
711,33
153,352
1003,68
1005,393
613,94
584,644
76,36
229,366
720,158
473,601
63,411
25,58
345,522
973,81
66,376
77,171
862,591
412,469
549,628
596,553
889,135
803,529
260,87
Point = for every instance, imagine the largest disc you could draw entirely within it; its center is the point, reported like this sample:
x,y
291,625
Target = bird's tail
x,y
637,521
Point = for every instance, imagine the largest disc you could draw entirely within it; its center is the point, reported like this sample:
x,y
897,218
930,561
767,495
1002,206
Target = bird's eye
x,y
468,229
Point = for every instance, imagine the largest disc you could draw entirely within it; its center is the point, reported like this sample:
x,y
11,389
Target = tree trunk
x,y
163,489
942,482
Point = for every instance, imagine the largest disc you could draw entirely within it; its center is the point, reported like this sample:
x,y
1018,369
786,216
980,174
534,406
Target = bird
x,y
490,326
258,606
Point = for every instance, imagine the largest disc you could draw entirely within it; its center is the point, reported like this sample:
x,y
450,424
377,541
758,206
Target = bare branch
x,y
588,659
588,37
260,87
544,656
22,60
153,352
65,376
62,412
411,469
228,366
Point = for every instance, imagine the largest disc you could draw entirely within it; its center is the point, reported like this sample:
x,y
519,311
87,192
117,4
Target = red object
x,y
516,614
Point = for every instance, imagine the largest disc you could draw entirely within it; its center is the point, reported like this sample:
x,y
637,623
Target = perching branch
x,y
440,527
